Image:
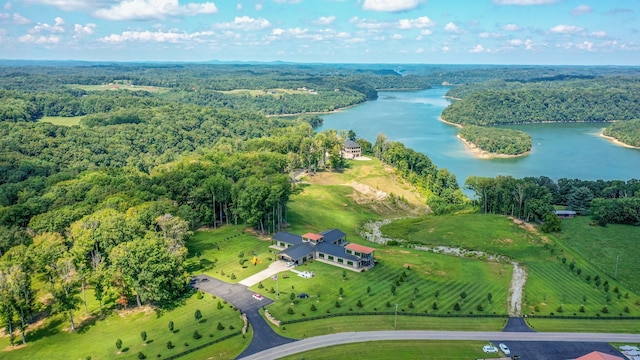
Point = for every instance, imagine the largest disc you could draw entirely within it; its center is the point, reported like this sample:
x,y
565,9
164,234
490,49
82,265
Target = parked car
x,y
258,297
290,264
490,349
505,349
303,295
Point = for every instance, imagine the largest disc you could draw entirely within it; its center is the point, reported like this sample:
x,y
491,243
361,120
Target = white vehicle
x,y
290,264
490,349
306,274
505,349
258,297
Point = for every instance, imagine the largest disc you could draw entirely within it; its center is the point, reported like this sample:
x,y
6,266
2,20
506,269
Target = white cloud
x,y
599,34
486,35
368,23
324,20
528,44
15,18
581,10
425,32
88,29
524,2
396,37
452,28
70,5
478,49
445,49
390,5
238,7
244,23
586,45
287,1
511,27
258,7
566,29
418,23
58,27
153,9
153,36
419,50
516,42
40,40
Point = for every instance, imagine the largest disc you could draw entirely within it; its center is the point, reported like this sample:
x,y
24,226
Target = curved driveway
x,y
354,337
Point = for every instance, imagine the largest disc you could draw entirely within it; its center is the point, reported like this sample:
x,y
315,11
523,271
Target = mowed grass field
x,y
228,253
604,247
561,280
62,120
52,340
383,350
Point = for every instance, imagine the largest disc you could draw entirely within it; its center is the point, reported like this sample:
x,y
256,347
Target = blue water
x,y
559,150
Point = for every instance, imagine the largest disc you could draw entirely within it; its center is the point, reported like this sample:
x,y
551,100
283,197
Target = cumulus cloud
x,y
153,10
418,23
528,44
599,34
486,35
425,32
57,27
40,39
244,23
238,7
88,29
581,10
586,45
15,19
153,36
324,20
390,5
524,2
566,29
258,7
478,49
368,23
397,37
511,27
452,28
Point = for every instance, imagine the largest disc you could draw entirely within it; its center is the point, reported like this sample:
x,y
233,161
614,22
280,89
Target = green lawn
x,y
387,322
217,253
433,350
568,325
62,120
604,246
97,339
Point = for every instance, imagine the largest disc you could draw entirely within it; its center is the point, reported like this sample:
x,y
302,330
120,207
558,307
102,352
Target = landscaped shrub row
x,y
392,313
199,347
575,317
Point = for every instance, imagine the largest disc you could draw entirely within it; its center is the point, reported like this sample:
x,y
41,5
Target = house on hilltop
x,y
351,149
329,246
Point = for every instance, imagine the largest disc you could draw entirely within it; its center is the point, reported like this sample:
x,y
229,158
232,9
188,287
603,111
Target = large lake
x,y
559,150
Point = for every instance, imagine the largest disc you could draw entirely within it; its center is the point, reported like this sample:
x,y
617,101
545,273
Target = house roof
x,y
335,250
351,144
312,236
565,212
360,248
332,235
297,252
597,355
288,238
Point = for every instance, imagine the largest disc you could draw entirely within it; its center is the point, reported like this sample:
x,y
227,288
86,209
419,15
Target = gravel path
x,y
371,232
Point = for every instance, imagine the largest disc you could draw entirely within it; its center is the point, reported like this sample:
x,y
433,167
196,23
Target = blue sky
x,y
605,32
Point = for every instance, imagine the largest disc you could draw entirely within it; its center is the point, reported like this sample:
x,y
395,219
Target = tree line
x,y
627,132
497,140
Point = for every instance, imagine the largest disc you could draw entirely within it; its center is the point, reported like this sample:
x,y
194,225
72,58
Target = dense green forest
x,y
513,102
626,131
494,140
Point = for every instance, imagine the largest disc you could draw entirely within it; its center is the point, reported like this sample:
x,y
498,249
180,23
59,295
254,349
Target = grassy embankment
x,y
97,337
433,350
554,286
62,120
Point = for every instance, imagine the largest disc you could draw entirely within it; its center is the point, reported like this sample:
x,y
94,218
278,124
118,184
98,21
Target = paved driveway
x,y
274,268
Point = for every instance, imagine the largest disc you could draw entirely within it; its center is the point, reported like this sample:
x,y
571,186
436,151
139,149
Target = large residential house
x,y
351,149
329,246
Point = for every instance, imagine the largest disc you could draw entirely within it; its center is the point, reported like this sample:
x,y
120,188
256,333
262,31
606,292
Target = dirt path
x,y
371,232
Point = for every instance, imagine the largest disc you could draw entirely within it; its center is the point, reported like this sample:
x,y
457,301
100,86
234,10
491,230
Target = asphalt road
x,y
560,339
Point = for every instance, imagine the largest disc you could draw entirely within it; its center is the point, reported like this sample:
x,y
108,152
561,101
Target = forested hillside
x,y
499,141
626,131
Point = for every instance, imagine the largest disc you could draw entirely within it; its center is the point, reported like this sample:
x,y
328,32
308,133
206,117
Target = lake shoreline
x,y
476,151
616,141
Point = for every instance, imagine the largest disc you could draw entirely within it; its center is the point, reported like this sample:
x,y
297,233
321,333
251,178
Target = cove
x,y
560,150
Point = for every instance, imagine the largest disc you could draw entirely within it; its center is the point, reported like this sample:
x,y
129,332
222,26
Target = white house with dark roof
x,y
329,246
351,149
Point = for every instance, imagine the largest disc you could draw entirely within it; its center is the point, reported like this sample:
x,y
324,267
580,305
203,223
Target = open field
x,y
604,246
118,86
216,252
269,92
600,325
62,120
385,322
560,281
433,350
97,339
